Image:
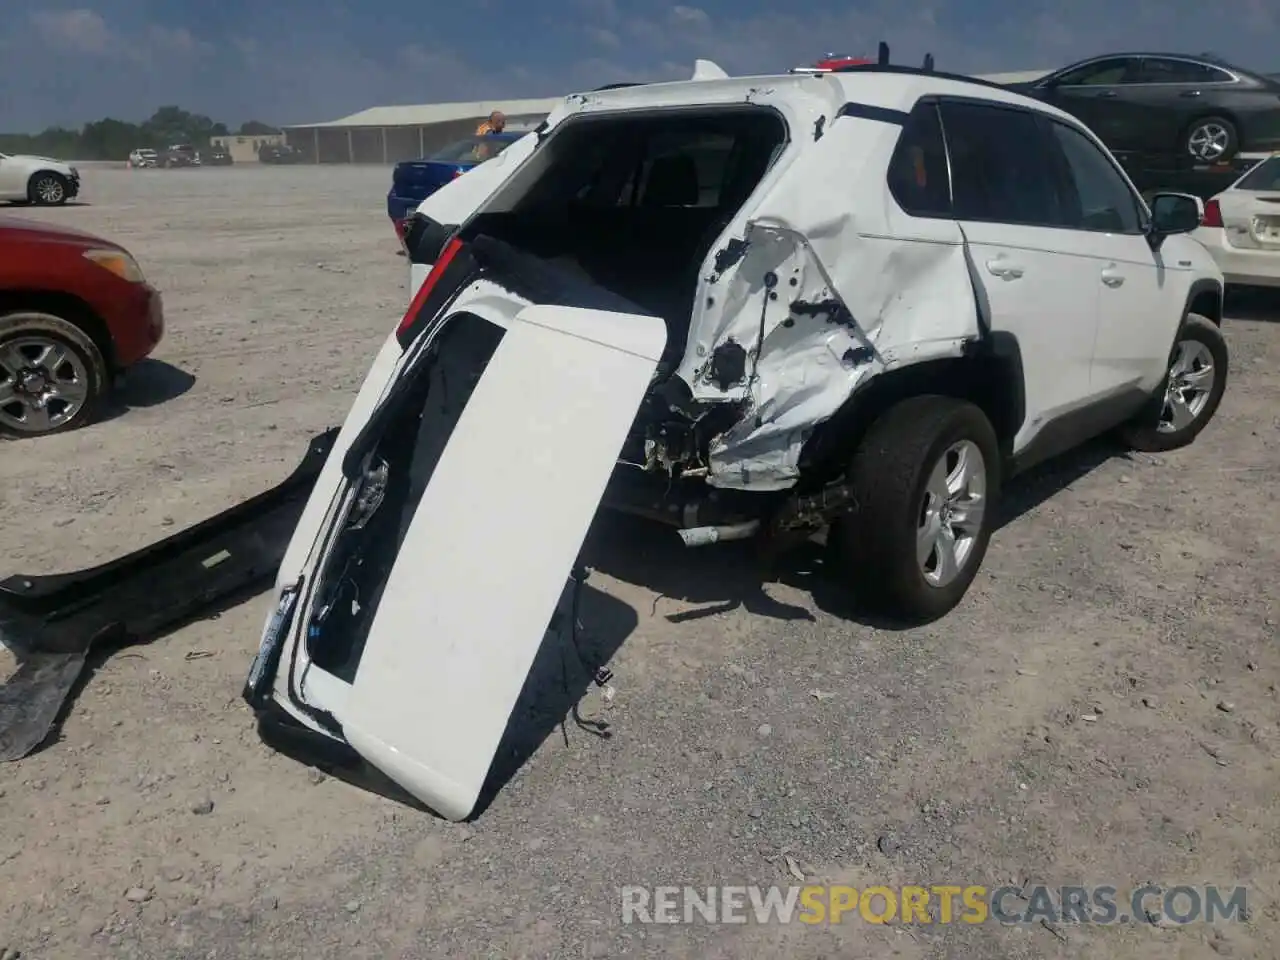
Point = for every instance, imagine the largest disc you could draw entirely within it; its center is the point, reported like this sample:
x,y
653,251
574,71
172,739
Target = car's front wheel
x,y
48,189
1190,393
52,375
926,481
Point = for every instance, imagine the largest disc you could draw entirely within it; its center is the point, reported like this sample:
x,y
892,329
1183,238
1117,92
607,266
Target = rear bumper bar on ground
x,y
51,623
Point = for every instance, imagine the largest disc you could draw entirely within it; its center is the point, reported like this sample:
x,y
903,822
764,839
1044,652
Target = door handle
x,y
1112,277
1189,93
1107,95
1004,268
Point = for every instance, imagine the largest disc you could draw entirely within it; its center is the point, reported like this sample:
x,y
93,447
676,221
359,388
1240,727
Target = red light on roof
x,y
834,62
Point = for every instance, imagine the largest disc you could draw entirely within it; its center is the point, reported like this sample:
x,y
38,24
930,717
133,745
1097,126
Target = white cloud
x,y
81,30
690,17
603,38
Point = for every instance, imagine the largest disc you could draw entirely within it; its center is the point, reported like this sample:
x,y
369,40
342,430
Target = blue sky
x,y
295,61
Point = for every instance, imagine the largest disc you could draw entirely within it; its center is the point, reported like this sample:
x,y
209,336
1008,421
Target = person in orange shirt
x,y
496,123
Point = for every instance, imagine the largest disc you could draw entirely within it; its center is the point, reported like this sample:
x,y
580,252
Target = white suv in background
x,y
745,307
1241,227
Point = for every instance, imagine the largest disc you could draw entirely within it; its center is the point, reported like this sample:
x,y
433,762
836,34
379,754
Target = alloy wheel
x,y
1191,377
951,513
43,384
50,190
1208,142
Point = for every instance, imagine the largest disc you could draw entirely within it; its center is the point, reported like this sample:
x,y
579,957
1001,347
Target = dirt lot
x,y
1101,710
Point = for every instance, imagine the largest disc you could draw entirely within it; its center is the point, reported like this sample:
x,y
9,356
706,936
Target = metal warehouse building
x,y
392,134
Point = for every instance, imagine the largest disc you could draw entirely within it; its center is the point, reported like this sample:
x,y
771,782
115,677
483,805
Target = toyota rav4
x,y
860,299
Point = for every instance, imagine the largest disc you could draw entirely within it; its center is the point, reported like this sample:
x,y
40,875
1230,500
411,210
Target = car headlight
x,y
74,173
118,262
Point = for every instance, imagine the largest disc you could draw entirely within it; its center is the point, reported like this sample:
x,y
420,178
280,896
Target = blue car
x,y
413,181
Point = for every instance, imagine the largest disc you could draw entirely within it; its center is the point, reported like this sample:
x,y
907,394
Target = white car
x,y
743,306
1241,227
37,180
144,158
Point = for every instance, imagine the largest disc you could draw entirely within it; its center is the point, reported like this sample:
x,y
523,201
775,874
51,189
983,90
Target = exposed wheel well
x,y
991,380
68,307
1207,303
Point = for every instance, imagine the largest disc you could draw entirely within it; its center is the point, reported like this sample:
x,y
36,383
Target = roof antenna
x,y
928,63
883,58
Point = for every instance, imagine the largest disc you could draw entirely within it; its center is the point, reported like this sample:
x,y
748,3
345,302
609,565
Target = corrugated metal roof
x,y
425,114
429,113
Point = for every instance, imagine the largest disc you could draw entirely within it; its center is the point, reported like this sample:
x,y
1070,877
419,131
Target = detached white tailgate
x,y
491,545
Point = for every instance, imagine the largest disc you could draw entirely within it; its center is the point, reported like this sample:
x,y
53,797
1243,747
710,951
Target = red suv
x,y
75,311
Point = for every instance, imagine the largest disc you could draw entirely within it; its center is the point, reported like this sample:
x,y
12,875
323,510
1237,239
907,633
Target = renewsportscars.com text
x,y
939,903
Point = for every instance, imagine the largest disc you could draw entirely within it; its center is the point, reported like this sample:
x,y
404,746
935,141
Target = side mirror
x,y
1175,213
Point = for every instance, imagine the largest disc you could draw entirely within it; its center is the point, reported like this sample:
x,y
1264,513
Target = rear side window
x,y
1265,176
1097,197
1160,70
1002,167
918,176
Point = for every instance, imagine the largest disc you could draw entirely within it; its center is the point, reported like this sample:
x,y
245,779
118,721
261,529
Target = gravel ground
x,y
1102,709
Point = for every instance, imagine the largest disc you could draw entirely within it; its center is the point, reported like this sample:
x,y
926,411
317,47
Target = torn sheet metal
x,y
833,285
51,623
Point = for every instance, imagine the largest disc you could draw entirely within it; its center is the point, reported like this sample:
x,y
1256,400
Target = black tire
x,y
1192,139
875,545
23,327
48,189
1144,431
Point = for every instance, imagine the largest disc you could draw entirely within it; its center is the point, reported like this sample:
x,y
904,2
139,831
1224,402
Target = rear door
x,y
1037,281
508,488
1165,96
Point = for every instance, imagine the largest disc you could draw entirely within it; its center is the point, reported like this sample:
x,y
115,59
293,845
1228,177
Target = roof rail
x,y
926,71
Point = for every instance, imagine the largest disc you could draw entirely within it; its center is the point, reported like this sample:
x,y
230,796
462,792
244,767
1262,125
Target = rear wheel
x,y
48,189
1211,140
926,480
52,375
1189,396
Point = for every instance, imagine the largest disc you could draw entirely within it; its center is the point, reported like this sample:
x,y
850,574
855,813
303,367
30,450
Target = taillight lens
x,y
1212,214
437,271
459,172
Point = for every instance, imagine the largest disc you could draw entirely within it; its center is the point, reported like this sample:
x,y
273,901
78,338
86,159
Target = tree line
x,y
111,139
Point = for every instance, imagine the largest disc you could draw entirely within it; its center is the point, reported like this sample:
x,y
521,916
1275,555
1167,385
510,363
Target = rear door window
x,y
918,177
1003,168
1169,70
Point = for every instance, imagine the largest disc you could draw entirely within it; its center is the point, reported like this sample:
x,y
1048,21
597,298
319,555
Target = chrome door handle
x,y
1006,269
1189,93
1112,277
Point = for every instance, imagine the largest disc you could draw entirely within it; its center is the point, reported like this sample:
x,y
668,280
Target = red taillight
x,y
1212,215
459,172
442,263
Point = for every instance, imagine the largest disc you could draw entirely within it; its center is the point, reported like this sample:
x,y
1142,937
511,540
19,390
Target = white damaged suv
x,y
760,306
